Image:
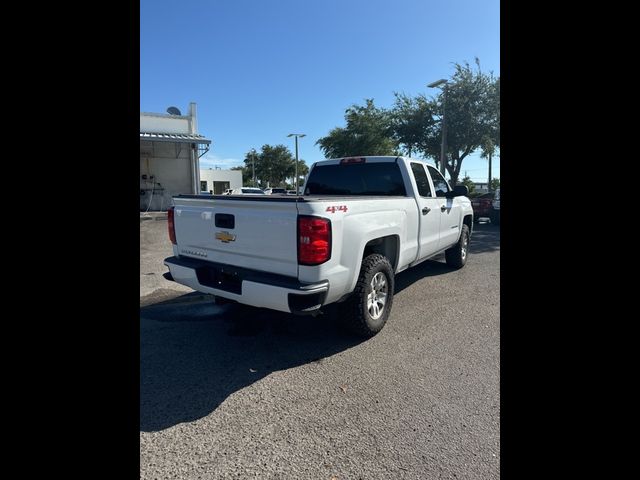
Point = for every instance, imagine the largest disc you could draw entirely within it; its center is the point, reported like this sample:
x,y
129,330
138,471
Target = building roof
x,y
174,137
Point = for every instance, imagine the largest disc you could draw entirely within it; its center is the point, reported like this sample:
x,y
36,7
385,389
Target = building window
x,y
220,187
203,185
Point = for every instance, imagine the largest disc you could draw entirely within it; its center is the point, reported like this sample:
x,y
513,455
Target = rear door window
x,y
424,189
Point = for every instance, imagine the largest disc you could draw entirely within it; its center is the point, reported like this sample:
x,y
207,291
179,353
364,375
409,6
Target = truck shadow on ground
x,y
428,268
486,238
193,356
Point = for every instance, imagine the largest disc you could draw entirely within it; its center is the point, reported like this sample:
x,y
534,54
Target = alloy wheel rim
x,y
377,298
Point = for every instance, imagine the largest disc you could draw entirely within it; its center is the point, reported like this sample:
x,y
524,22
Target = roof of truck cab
x,y
374,159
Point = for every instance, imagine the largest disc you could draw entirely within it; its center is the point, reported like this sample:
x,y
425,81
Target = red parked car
x,y
482,205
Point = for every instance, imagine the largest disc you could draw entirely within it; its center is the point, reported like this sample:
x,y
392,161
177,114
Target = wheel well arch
x,y
388,246
468,221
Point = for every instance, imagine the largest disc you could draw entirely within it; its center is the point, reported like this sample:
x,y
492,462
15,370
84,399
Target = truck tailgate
x,y
258,234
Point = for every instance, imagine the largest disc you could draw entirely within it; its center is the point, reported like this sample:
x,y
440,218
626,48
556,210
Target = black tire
x,y
355,310
457,255
496,217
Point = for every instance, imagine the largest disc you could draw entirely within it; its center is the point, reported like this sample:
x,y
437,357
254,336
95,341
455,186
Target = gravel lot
x,y
237,392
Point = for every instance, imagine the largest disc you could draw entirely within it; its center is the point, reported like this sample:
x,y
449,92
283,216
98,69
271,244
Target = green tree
x,y
411,123
469,183
275,164
251,160
490,143
472,116
495,184
368,132
488,150
303,171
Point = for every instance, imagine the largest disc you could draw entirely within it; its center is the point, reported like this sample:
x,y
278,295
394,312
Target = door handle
x,y
443,208
425,210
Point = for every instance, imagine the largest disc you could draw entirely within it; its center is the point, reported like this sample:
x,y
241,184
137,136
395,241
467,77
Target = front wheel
x,y
368,307
456,256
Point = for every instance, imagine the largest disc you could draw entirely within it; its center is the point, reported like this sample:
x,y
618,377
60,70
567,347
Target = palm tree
x,y
488,150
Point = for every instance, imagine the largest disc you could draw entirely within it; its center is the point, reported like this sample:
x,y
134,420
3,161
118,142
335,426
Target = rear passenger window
x,y
424,189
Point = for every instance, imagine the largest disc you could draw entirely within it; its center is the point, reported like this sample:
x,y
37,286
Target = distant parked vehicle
x,y
495,208
271,191
482,206
291,192
247,191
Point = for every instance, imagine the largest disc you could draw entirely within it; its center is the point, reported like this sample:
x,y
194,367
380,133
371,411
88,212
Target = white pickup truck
x,y
360,221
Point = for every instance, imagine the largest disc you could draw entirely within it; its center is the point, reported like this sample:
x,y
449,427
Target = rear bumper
x,y
250,287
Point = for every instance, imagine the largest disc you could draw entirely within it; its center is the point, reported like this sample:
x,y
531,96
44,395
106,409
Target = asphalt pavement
x,y
237,392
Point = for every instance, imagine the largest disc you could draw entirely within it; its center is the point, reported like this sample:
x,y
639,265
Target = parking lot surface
x,y
237,392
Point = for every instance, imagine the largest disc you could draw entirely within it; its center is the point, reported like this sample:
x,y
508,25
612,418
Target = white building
x,y
481,187
217,181
170,149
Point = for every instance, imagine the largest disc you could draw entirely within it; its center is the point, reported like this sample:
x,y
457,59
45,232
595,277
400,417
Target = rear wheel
x,y
457,255
368,307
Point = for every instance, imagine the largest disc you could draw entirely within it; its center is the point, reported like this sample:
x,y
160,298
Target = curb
x,y
153,216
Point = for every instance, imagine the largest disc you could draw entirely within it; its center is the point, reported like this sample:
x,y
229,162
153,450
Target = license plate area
x,y
220,278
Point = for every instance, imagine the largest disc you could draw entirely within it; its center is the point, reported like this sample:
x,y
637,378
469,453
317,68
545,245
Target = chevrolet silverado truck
x,y
359,222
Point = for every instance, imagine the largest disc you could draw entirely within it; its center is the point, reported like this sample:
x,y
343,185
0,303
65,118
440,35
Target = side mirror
x,y
458,191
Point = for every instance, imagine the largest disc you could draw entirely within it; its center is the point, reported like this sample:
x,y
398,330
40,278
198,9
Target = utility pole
x,y
489,186
297,135
443,152
443,157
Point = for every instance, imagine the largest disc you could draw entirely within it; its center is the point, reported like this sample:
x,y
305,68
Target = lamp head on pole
x,y
437,83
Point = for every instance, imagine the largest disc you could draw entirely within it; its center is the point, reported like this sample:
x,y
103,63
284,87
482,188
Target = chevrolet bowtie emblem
x,y
225,237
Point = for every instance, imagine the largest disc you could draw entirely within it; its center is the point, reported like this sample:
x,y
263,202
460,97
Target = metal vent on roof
x,y
173,111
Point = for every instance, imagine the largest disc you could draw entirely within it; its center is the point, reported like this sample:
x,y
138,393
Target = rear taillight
x,y
314,240
172,226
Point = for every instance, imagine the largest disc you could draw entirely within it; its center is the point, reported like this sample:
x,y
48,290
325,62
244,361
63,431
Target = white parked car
x,y
361,221
247,191
271,191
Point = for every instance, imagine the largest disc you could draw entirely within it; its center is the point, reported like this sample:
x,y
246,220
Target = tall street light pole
x,y
297,135
435,84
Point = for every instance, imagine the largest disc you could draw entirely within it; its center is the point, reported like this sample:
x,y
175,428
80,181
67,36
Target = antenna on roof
x,y
173,111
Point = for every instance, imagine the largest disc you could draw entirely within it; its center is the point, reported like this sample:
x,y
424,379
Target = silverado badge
x,y
225,237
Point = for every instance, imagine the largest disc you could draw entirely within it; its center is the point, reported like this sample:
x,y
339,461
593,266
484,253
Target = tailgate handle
x,y
225,220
